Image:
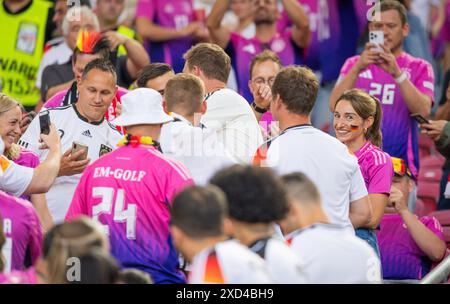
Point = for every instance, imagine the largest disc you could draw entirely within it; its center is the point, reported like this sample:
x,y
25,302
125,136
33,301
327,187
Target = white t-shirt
x,y
326,161
14,179
285,267
332,255
58,54
198,149
101,138
228,262
230,115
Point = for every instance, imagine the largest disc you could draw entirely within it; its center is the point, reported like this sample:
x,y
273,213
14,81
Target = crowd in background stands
x,y
227,141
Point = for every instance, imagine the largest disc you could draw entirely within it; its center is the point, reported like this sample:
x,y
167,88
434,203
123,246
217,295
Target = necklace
x,y
136,140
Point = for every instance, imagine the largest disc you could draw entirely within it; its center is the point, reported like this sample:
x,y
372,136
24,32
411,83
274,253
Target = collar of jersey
x,y
313,226
95,123
296,127
180,118
23,9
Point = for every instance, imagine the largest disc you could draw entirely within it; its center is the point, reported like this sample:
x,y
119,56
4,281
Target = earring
x,y
365,130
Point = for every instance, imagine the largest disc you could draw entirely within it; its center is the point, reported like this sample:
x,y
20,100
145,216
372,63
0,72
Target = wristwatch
x,y
258,109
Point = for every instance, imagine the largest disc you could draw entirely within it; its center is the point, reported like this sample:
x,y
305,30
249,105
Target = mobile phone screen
x,y
44,121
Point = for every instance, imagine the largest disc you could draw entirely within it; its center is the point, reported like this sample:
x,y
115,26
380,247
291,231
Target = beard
x,y
264,18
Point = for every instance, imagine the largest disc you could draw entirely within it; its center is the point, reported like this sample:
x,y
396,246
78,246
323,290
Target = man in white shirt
x,y
253,217
331,254
228,113
82,122
19,180
199,227
302,148
183,139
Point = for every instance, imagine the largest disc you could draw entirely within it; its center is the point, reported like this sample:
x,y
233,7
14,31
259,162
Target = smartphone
x,y
44,121
376,37
77,146
419,118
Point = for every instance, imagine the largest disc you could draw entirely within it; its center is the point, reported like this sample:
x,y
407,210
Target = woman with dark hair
x,y
357,123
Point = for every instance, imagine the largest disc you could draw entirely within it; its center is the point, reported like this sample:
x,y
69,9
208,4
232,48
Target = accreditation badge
x,y
104,150
27,37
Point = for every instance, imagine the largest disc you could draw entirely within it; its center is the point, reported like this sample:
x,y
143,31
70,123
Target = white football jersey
x,y
101,138
14,179
228,262
285,267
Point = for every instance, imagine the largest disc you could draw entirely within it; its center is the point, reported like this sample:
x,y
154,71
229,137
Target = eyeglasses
x,y
261,81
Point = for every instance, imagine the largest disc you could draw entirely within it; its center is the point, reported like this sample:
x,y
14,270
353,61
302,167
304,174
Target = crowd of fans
x,y
227,141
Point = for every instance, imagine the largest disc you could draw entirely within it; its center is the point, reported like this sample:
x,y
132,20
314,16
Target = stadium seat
x,y
425,206
426,146
432,161
443,216
432,175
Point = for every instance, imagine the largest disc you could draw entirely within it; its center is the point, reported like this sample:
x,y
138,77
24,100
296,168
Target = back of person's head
x,y
96,267
134,276
366,106
301,189
254,194
70,239
76,12
264,56
152,71
91,43
211,59
100,65
200,212
297,86
184,93
2,243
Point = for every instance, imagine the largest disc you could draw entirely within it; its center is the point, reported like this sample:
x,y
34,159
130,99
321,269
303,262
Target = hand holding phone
x,y
377,38
77,146
44,121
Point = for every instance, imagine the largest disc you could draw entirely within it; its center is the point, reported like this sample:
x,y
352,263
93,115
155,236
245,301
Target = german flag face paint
x,y
354,128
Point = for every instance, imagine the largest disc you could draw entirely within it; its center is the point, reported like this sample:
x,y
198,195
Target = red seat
x,y
443,216
433,175
427,189
426,146
425,206
432,161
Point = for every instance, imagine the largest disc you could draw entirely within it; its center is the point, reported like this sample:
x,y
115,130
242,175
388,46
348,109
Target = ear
x,y
196,71
204,107
79,82
406,29
164,104
228,227
368,122
177,236
250,86
411,185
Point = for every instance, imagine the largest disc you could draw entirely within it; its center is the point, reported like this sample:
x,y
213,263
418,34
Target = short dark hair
x,y
297,86
262,57
152,71
97,267
211,59
200,211
254,194
301,188
99,64
184,91
101,47
387,5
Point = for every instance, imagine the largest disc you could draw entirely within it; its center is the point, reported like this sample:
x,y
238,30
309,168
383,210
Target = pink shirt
x,y
376,168
28,276
129,191
400,131
22,230
401,258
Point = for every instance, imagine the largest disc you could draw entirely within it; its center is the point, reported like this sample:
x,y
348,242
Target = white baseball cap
x,y
142,106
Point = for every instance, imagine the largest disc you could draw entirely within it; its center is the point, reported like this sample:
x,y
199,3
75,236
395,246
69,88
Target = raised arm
x,y
220,35
301,33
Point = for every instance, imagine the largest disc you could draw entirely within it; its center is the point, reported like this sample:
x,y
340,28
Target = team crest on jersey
x,y
278,45
104,150
249,49
27,37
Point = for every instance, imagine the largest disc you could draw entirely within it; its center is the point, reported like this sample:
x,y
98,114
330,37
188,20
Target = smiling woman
x,y
357,123
10,118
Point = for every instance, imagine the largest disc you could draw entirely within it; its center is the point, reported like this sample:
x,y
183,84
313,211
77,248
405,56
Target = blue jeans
x,y
370,237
